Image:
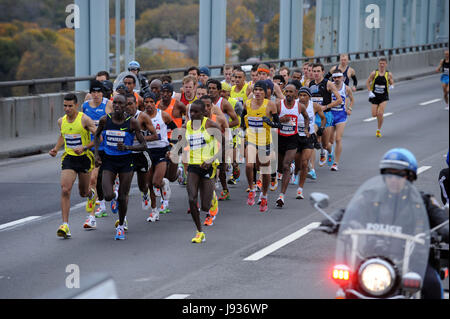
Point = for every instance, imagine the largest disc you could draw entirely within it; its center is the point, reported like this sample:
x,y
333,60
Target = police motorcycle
x,y
383,241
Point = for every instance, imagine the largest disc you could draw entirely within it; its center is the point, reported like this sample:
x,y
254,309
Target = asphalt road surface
x,y
158,260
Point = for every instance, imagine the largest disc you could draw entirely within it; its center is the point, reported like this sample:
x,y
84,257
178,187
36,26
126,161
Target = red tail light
x,y
341,274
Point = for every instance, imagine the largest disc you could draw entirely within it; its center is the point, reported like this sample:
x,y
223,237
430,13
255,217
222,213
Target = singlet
x,y
445,67
95,113
185,101
257,132
74,134
202,146
289,128
114,133
343,95
345,73
241,95
169,109
301,120
379,84
161,130
320,93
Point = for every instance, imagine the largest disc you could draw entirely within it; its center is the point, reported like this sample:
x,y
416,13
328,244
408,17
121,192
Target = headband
x,y
336,75
263,70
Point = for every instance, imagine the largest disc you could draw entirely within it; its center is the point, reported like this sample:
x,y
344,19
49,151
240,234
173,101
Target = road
x,y
158,260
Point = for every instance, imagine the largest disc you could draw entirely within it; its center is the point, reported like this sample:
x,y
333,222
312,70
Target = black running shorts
x,y
304,143
118,163
141,162
79,164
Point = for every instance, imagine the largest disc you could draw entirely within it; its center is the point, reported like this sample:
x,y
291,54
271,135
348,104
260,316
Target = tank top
x,y
185,101
257,132
95,113
161,130
289,128
343,95
345,73
202,146
379,84
445,67
319,93
301,120
114,133
169,109
74,135
241,95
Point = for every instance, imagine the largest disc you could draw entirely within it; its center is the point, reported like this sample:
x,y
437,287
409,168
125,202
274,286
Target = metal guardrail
x,y
64,81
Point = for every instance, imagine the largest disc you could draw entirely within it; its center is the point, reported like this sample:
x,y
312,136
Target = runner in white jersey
x,y
290,111
340,114
305,137
158,150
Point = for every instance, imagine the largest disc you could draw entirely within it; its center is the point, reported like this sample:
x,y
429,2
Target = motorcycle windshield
x,y
386,218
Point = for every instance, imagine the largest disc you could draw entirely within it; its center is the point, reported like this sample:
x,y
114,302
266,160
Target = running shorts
x,y
203,173
339,117
379,98
118,163
328,116
158,155
79,164
444,79
141,162
304,143
287,143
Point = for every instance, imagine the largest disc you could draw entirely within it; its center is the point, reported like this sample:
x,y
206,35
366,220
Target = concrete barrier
x,y
22,117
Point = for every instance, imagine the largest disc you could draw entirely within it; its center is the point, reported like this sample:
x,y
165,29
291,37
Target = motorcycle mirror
x,y
320,199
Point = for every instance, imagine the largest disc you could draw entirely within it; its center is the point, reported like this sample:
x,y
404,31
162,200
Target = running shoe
x,y
166,191
258,185
251,198
263,206
214,209
280,201
232,181
330,159
146,202
224,195
101,212
334,167
120,234
90,223
154,216
323,158
116,184
236,172
259,199
90,203
209,221
378,133
312,175
279,176
64,231
274,185
199,238
115,204
295,179
164,209
157,191
299,194
248,190
125,224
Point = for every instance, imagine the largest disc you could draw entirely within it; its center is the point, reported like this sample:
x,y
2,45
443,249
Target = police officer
x,y
402,162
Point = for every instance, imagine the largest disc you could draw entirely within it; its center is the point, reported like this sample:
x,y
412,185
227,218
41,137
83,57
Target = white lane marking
x,y
429,102
422,169
374,118
18,222
177,296
282,242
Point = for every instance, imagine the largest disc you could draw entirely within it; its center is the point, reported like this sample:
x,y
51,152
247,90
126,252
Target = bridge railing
x,y
65,81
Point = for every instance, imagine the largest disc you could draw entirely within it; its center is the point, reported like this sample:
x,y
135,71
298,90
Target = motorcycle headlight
x,y
376,277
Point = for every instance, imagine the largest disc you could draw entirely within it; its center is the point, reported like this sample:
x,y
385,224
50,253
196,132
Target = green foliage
x,y
168,20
